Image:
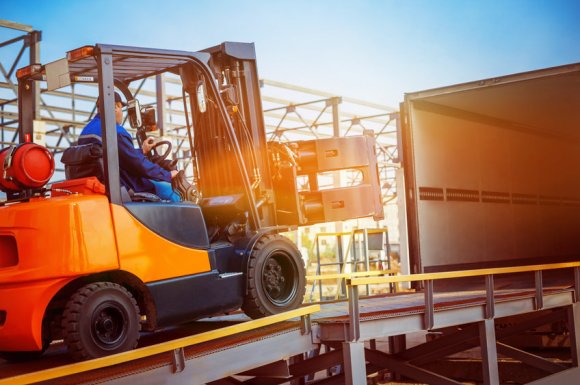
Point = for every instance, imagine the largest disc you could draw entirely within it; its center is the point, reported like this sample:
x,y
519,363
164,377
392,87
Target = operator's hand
x,y
148,145
174,173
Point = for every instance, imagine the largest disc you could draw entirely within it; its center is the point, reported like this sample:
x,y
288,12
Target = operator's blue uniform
x,y
136,171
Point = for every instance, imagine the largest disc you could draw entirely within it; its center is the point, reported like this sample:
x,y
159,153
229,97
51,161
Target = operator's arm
x,y
133,160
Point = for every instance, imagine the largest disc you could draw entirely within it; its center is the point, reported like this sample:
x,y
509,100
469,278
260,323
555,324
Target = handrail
x,y
349,275
176,345
356,231
428,278
344,277
461,273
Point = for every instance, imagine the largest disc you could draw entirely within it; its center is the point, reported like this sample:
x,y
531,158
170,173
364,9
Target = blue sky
x,y
375,50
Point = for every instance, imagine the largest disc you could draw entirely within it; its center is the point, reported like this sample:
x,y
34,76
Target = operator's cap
x,y
118,99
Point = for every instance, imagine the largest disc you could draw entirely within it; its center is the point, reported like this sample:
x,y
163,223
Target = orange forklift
x,y
84,261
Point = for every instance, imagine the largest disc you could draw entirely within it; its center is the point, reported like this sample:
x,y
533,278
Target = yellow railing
x,y
174,345
428,278
357,274
461,274
343,277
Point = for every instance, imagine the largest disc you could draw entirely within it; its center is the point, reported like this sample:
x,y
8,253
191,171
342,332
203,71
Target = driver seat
x,y
86,160
83,161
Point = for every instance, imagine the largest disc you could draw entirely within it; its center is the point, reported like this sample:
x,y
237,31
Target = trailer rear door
x,y
493,171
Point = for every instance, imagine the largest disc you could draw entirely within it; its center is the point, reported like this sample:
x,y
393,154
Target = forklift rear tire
x,y
276,279
100,319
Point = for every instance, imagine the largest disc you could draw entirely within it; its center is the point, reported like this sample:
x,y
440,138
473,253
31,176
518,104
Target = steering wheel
x,y
154,156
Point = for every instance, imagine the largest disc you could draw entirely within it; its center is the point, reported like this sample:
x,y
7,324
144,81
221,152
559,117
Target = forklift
x,y
85,261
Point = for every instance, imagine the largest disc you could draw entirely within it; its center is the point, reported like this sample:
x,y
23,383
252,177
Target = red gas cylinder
x,y
27,165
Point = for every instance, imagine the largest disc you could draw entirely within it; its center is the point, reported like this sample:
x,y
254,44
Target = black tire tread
x,y
252,305
71,316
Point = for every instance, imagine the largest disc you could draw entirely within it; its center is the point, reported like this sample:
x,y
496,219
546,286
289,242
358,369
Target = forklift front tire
x,y
276,279
100,319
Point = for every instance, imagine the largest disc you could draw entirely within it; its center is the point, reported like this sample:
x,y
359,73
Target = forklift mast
x,y
274,168
235,70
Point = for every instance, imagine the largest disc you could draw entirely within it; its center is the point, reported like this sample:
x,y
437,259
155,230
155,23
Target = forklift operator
x,y
137,173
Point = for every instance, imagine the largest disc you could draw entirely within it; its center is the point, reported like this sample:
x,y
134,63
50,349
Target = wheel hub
x,y
279,277
273,277
108,326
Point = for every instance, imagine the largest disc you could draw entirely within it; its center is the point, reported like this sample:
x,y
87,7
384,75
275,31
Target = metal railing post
x,y
340,256
305,324
429,320
539,302
353,313
487,341
319,268
577,284
489,297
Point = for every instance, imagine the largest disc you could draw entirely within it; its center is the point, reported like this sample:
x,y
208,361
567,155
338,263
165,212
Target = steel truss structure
x,y
30,41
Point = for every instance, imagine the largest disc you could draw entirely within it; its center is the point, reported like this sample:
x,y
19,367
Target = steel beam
x,y
487,342
530,359
489,297
348,115
226,381
334,380
441,346
12,41
577,284
300,368
33,42
569,376
429,316
353,354
325,94
16,26
538,283
573,315
160,97
538,319
316,363
26,106
297,360
385,361
397,344
269,381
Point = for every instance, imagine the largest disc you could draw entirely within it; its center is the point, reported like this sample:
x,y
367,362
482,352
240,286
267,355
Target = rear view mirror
x,y
149,118
134,113
201,97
